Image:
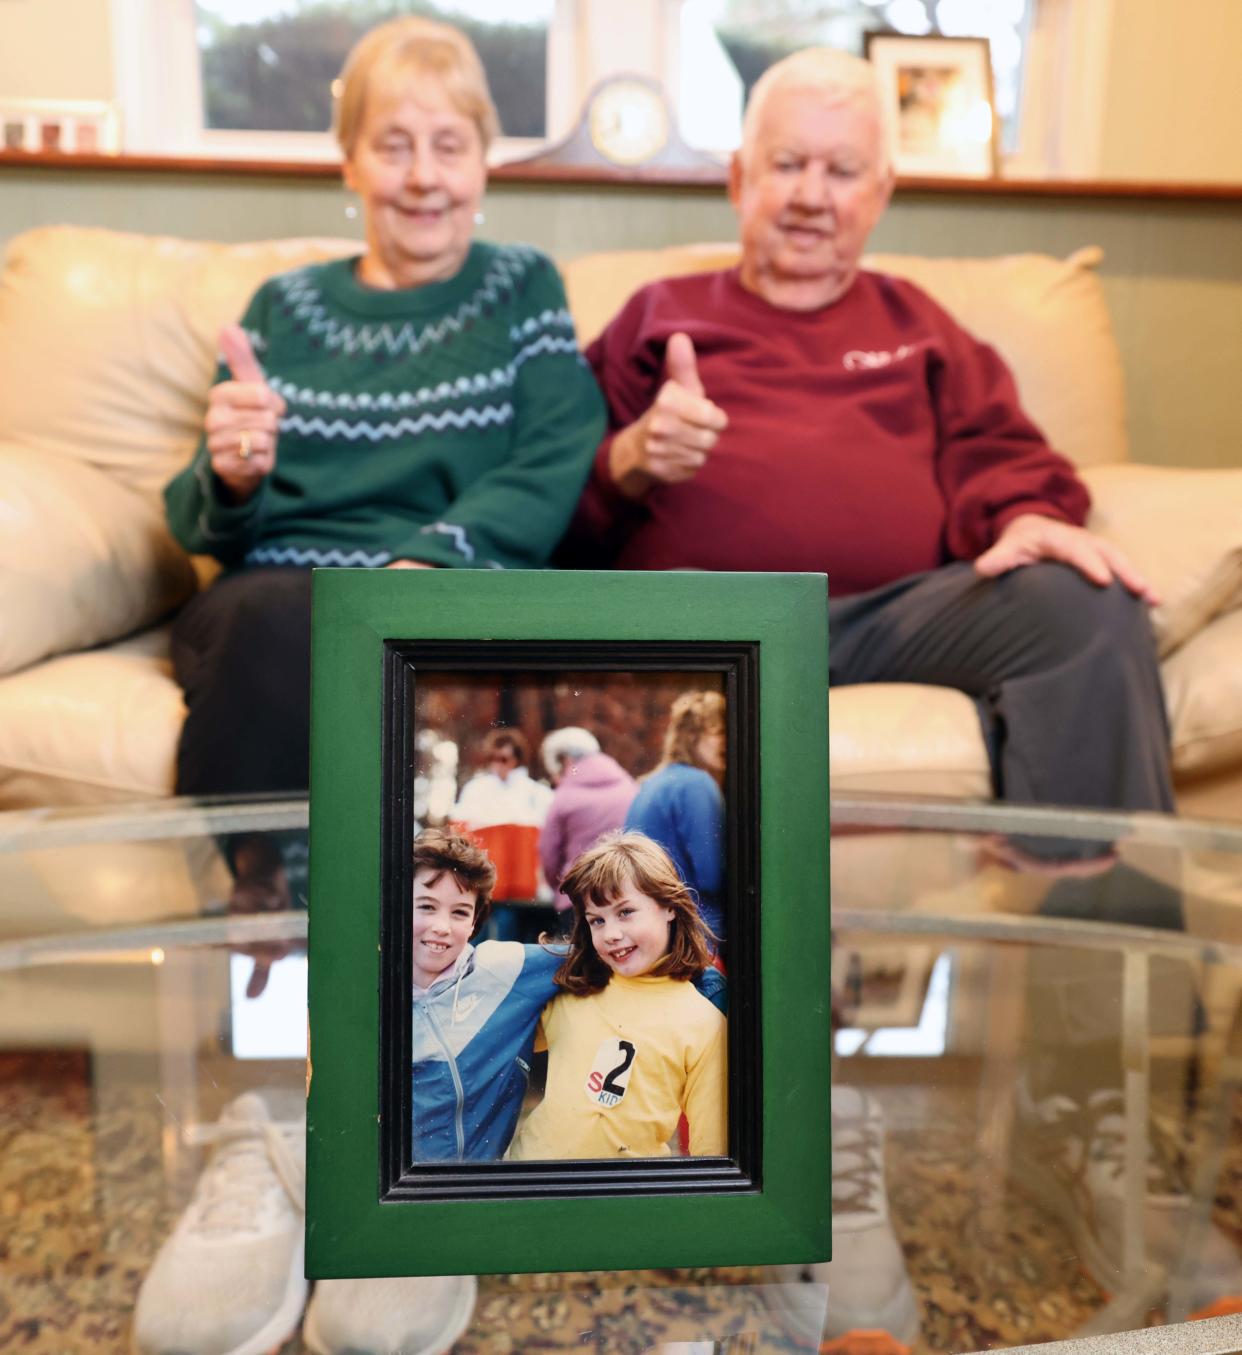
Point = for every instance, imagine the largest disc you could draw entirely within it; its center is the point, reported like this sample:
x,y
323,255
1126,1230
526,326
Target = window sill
x,y
711,178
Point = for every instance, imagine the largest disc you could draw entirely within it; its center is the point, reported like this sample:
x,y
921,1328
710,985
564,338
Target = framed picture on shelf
x,y
636,1086
60,126
938,96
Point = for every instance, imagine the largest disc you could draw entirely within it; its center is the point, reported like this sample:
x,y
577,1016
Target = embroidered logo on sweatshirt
x,y
609,1078
861,360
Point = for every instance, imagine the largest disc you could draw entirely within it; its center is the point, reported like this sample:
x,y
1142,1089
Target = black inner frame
x,y
401,1181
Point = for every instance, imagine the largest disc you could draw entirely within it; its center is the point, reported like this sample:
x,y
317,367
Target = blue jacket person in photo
x,y
474,1008
473,1032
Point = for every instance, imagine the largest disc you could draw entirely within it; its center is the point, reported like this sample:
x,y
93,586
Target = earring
x,y
479,218
351,209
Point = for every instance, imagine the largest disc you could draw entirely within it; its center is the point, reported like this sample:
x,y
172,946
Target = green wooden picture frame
x,y
370,1212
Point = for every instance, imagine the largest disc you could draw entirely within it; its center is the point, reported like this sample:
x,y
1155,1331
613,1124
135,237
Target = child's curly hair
x,y
599,876
445,850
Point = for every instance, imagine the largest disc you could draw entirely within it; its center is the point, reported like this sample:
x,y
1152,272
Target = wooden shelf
x,y
712,179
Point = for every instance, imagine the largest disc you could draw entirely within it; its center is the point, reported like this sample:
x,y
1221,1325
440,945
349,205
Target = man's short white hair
x,y
567,745
839,76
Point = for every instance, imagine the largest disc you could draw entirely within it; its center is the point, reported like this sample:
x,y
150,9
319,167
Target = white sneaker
x,y
229,1279
1073,1157
868,1287
417,1316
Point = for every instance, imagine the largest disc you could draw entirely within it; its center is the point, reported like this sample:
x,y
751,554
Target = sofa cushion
x,y
91,728
1047,317
107,350
83,558
108,341
907,740
1203,692
1182,529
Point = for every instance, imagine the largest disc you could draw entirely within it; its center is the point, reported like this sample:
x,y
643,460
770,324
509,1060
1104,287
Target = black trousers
x,y
1065,678
1063,673
241,652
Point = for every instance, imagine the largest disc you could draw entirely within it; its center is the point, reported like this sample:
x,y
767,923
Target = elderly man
x,y
592,793
800,413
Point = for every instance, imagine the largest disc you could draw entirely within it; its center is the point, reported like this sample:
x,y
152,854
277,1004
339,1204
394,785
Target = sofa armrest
x,y
1182,529
84,559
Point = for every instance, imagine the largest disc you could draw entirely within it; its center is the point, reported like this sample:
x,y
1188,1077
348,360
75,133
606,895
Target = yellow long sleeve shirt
x,y
623,1065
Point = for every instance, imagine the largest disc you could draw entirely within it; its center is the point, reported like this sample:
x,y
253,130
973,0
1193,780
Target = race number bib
x,y
609,1077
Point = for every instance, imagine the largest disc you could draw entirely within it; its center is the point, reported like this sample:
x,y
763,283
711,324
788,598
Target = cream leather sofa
x,y
107,348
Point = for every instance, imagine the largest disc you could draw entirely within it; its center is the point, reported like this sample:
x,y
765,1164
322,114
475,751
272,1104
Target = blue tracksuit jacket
x,y
472,1036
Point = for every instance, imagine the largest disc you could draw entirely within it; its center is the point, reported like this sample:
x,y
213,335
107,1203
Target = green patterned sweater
x,y
453,423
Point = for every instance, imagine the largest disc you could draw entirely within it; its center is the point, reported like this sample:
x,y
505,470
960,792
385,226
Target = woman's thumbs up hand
x,y
243,419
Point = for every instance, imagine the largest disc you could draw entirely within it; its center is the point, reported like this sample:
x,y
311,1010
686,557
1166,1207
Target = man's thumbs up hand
x,y
243,416
681,364
672,440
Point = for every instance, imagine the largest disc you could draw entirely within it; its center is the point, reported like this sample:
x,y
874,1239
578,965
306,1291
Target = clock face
x,y
628,122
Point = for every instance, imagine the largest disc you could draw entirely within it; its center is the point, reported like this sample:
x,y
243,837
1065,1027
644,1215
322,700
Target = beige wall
x,y
55,49
1171,109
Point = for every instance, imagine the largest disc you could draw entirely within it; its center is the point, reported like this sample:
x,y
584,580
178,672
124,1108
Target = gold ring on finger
x,y
243,444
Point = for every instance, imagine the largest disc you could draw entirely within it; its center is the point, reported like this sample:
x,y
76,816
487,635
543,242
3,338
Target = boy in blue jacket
x,y
475,1008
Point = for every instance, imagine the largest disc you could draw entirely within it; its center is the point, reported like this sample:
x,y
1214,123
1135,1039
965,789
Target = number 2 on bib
x,y
609,1077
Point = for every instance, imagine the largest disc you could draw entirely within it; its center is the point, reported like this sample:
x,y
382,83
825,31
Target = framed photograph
x,y
646,1082
60,126
938,96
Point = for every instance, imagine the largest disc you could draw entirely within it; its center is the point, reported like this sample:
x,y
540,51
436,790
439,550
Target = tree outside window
x,y
268,65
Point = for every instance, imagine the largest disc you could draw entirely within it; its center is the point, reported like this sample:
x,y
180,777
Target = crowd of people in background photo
x,y
533,831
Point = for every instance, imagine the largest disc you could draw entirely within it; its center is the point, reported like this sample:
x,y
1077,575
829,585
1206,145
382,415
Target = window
x,y
268,65
752,34
252,77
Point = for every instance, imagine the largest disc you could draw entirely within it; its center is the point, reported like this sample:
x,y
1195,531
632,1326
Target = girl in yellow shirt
x,y
639,1037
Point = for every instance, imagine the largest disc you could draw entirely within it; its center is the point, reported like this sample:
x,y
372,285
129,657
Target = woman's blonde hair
x,y
692,715
413,48
599,876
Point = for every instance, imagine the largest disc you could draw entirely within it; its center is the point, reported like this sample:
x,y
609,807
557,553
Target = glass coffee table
x,y
1037,1093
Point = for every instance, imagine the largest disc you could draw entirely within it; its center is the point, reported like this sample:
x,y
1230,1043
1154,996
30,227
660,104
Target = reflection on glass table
x,y
1037,1126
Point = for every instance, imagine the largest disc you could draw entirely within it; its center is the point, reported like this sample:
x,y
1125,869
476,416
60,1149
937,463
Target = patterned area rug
x,y
981,1285
78,1219
83,1209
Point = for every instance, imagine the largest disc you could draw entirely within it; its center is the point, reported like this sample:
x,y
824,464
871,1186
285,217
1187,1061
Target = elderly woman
x,y
680,804
421,405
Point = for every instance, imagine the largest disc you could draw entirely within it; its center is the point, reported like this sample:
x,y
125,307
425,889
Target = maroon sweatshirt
x,y
869,440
